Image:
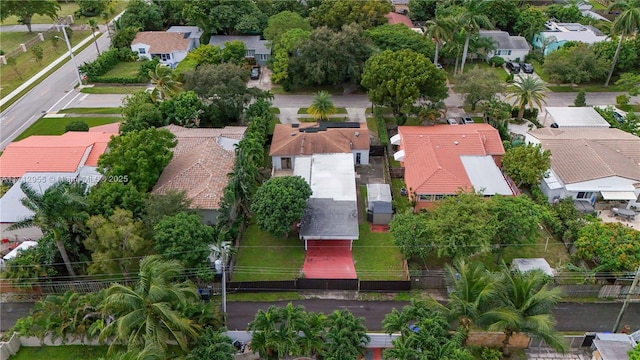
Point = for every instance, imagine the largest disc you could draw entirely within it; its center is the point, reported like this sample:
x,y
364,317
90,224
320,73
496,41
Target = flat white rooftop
x,y
485,175
574,117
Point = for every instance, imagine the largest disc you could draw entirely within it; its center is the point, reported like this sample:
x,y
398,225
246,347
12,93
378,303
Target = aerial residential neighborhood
x,y
326,179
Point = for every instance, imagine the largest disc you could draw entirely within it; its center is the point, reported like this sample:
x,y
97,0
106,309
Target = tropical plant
x,y
165,84
626,24
346,336
277,331
322,106
440,31
472,20
93,24
527,90
151,312
213,345
59,212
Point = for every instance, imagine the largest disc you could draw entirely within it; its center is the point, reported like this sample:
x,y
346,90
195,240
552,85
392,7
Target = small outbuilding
x,y
379,207
524,265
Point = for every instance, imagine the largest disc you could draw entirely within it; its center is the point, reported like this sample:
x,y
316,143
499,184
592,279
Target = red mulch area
x,y
329,259
379,228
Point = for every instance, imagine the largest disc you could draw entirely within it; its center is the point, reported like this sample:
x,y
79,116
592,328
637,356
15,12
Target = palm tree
x,y
346,337
322,106
276,332
165,83
472,20
527,90
94,27
440,30
626,24
213,345
60,212
526,305
149,314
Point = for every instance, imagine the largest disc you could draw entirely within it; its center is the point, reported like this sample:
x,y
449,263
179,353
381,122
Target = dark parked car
x,y
513,67
255,73
527,68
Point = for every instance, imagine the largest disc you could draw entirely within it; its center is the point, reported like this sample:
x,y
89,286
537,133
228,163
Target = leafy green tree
x,y
159,206
497,113
530,21
630,82
283,50
143,15
184,109
575,64
439,30
94,27
580,100
625,24
89,8
33,265
140,112
411,233
527,90
322,106
635,353
526,164
472,20
628,56
234,52
150,313
281,23
59,212
123,37
564,13
185,238
526,305
138,157
398,78
213,345
116,243
613,246
77,125
165,84
108,196
397,37
421,10
336,14
479,85
225,16
280,202
346,336
38,53
503,12
25,10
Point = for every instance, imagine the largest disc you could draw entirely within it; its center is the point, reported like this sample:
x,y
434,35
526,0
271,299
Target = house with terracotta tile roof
x,y
201,161
168,47
590,164
307,139
395,18
443,160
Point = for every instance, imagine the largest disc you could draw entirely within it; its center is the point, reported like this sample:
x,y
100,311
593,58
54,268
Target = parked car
x,y
255,73
439,66
467,119
452,121
513,67
526,68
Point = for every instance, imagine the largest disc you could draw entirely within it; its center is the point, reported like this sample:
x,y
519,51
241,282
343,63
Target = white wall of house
x,y
589,190
508,55
364,157
277,162
178,56
142,50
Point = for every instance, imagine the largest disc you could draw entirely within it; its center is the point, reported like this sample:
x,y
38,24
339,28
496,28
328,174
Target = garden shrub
x,y
105,62
496,61
509,78
76,125
529,113
580,100
146,66
382,126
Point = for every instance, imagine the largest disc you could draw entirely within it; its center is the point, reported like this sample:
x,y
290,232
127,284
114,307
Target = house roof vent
x,y
356,134
455,142
295,125
293,134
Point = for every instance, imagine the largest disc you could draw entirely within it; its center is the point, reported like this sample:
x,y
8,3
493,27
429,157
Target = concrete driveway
x,y
264,82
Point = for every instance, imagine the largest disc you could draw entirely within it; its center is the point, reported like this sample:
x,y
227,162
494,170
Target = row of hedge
x,y
107,60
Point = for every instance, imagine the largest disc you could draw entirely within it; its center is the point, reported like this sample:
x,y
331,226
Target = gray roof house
x,y
256,48
194,33
510,48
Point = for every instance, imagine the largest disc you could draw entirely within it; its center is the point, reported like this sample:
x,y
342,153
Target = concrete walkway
x,y
290,115
548,354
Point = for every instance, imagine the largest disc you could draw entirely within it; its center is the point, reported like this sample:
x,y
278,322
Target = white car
x,y
452,121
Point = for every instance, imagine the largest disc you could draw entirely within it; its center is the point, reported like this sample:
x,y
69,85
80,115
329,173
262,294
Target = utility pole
x,y
627,300
73,59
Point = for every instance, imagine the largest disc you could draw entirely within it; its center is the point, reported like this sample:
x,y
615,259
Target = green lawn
x,y
372,125
376,257
385,110
124,69
334,90
264,296
400,202
274,110
339,110
499,71
68,8
124,89
68,352
588,87
26,65
55,126
272,124
91,111
262,257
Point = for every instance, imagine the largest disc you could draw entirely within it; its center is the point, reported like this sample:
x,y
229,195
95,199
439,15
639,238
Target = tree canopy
x,y
575,64
25,9
398,37
526,164
336,14
185,238
280,23
612,245
479,84
143,15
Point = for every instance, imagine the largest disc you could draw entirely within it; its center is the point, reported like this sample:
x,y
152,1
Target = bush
x,y
580,100
535,55
382,126
509,78
496,61
76,125
106,61
622,100
529,113
146,66
119,79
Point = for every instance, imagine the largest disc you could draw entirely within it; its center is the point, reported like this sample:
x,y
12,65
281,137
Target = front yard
x,y
55,126
376,257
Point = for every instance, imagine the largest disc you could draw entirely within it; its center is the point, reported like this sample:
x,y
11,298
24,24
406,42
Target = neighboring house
x,y
256,48
588,164
510,48
559,33
201,161
585,9
168,47
194,34
303,140
395,18
332,209
607,346
443,160
561,117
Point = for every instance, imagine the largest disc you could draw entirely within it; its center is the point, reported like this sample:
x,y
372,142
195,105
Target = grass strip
x,y
339,110
112,89
55,126
103,110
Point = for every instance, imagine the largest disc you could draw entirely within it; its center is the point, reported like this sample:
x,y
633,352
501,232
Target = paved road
x,y
56,89
570,316
11,312
23,28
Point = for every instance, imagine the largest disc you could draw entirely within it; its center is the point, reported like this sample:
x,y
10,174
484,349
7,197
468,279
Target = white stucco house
x,y
590,164
559,33
168,47
508,47
194,34
304,140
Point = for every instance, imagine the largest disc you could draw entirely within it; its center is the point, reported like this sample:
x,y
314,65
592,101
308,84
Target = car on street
x,y
452,121
255,73
526,68
467,119
513,67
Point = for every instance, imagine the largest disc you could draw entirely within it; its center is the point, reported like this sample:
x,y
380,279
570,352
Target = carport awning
x,y
618,195
395,139
399,156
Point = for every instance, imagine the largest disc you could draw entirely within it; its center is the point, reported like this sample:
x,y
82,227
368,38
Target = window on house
x,y
584,195
165,57
438,197
425,197
141,51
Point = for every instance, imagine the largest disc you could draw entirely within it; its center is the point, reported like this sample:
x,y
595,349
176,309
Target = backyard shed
x,y
379,209
525,265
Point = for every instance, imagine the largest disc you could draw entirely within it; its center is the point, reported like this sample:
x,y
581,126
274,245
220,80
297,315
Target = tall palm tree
x,y
322,106
165,84
527,90
626,24
149,314
346,336
440,30
59,212
94,27
526,305
276,332
472,20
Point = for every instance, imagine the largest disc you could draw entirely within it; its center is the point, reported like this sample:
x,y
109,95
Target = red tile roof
x,y
113,128
395,18
432,155
64,153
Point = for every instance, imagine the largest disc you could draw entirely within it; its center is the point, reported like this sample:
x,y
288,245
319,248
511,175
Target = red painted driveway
x,y
329,259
